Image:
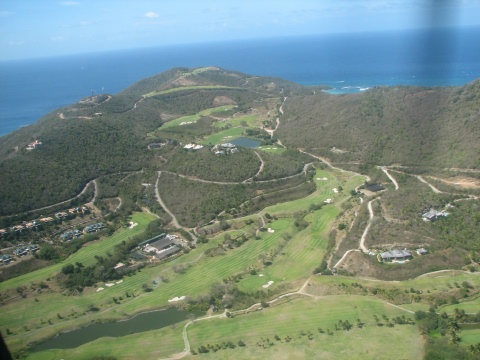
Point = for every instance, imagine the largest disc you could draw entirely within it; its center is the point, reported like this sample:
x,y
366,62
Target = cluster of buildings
x,y
77,233
17,229
62,215
73,211
227,148
71,234
25,250
20,251
34,145
5,259
90,229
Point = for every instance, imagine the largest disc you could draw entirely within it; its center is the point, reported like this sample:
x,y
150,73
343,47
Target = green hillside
x,y
432,127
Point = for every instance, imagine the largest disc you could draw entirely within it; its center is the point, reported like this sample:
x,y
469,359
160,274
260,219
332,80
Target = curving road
x,y
174,221
365,232
94,182
384,169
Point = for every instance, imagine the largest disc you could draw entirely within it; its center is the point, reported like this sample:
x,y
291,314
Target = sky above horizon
x,y
41,28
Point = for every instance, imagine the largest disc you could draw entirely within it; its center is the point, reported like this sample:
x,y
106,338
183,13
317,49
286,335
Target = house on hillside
x,y
395,255
433,215
34,145
17,228
193,147
31,224
422,251
226,148
61,215
375,187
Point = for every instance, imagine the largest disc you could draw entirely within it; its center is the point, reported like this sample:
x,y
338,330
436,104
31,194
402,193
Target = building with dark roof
x,y
422,251
163,246
94,228
433,215
396,255
375,187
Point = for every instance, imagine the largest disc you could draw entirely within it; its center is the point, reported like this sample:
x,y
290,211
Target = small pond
x,y
246,142
139,323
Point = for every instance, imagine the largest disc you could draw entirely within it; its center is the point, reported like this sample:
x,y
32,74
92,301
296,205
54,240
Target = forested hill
x,y
109,134
106,134
434,127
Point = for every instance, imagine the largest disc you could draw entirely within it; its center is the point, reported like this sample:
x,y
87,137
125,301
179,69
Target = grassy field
x,y
195,117
32,319
223,136
470,336
300,256
198,279
251,120
424,284
272,148
52,311
146,345
185,88
306,315
470,306
324,191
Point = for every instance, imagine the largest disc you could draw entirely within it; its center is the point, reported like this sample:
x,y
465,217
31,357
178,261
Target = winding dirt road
x,y
392,179
174,221
365,232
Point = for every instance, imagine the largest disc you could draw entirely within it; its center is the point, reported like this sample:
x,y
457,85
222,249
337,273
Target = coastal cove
x,y
32,88
152,320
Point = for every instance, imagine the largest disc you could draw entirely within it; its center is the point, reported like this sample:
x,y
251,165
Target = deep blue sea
x,y
29,89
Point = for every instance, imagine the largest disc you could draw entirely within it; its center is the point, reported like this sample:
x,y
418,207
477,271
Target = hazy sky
x,y
36,28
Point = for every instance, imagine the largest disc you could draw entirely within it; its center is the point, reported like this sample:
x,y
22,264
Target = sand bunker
x,y
132,225
267,284
100,289
177,299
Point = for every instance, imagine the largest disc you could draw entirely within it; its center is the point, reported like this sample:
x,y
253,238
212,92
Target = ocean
x,y
30,89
